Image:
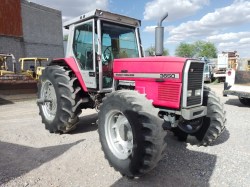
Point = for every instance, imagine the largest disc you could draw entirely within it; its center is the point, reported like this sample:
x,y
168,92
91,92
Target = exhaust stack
x,y
159,36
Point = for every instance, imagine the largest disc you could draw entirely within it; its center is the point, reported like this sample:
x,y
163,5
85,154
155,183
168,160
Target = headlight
x,y
189,93
197,92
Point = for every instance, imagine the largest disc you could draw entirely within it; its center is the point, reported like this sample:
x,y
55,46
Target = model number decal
x,y
169,76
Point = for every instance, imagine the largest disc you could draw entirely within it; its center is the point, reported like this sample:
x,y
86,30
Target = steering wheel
x,y
107,53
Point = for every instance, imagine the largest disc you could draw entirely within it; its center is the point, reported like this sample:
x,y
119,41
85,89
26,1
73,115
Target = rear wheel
x,y
204,131
130,132
59,100
244,101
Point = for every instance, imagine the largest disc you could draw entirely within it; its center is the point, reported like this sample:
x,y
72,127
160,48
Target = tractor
x,y
139,99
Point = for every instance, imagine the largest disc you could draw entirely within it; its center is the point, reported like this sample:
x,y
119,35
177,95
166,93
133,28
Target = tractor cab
x,y
96,39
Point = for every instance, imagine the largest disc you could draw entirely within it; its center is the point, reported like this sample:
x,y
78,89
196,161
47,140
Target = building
x,y
30,30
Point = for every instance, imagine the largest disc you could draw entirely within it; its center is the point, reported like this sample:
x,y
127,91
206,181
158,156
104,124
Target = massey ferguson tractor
x,y
138,98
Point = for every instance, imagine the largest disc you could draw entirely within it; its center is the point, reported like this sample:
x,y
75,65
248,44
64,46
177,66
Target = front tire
x,y
130,132
212,124
61,101
244,101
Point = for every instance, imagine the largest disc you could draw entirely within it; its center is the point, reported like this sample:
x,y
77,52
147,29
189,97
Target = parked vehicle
x,y
238,82
36,66
138,98
208,73
13,82
225,60
4,69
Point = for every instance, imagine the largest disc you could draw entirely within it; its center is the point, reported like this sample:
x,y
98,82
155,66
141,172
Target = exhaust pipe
x,y
159,36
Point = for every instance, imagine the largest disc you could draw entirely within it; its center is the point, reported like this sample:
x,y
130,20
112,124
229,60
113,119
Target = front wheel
x,y
130,132
244,101
208,128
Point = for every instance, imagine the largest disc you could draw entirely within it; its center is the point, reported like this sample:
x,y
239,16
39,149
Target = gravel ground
x,y
31,156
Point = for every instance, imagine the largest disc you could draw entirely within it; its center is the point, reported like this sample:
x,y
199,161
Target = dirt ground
x,y
31,156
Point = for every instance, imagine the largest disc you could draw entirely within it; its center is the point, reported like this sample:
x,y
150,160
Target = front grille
x,y
168,92
195,82
193,100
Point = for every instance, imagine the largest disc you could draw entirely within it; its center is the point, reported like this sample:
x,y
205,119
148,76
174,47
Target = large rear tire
x,y
61,101
130,132
212,125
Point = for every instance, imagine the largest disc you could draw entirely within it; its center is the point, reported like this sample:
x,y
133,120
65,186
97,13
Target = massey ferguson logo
x,y
169,76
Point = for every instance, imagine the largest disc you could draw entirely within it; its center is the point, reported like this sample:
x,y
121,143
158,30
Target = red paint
x,y
10,18
72,64
150,65
165,94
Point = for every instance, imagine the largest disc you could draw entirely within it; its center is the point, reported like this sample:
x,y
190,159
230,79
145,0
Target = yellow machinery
x,y
35,71
3,64
19,82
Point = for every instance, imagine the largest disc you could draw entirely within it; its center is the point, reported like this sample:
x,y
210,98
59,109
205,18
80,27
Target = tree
x,y
151,52
197,49
185,50
205,49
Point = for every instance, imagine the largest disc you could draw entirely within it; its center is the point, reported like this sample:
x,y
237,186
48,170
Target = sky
x,y
226,23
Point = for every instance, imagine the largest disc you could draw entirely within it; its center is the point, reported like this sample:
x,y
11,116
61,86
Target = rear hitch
x,y
42,101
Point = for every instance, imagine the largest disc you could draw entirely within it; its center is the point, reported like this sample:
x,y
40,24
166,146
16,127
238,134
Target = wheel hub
x,y
48,93
119,134
190,126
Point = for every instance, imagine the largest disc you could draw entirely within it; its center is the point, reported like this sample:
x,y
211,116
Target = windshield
x,y
206,68
118,41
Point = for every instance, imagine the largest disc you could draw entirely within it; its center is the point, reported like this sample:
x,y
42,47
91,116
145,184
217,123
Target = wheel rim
x,y
119,134
48,93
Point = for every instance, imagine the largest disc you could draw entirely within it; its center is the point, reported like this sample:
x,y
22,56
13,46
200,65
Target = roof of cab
x,y
103,15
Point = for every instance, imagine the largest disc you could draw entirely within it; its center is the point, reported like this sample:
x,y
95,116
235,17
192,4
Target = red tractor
x,y
138,98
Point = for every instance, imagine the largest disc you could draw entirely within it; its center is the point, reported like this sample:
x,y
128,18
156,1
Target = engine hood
x,y
162,67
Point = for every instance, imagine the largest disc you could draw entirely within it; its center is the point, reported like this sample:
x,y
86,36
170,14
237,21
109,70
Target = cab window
x,y
83,45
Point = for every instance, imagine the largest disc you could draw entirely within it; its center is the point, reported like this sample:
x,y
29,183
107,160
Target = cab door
x,y
84,49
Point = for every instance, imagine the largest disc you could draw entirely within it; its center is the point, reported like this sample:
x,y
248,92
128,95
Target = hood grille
x,y
195,82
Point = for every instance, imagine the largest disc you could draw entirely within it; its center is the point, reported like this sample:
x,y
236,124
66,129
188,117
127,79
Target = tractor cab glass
x,y
83,46
117,42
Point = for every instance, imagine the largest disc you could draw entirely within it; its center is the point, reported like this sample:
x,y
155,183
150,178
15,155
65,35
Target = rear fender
x,y
73,66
